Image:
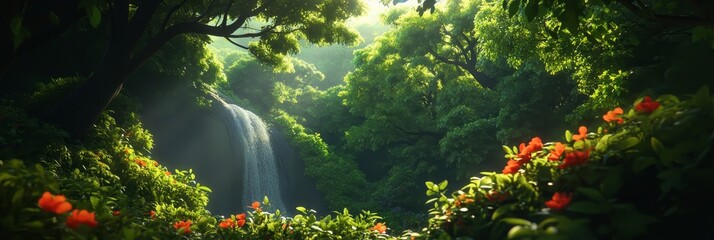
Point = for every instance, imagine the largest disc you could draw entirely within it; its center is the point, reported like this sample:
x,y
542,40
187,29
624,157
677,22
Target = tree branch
x,y
171,13
235,43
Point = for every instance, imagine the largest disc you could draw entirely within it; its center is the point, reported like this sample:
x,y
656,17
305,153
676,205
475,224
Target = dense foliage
x,y
433,94
635,176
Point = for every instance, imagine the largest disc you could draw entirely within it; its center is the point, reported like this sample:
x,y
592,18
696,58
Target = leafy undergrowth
x,y
642,174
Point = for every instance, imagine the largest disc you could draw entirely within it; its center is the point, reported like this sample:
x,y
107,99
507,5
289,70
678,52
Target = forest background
x,y
424,95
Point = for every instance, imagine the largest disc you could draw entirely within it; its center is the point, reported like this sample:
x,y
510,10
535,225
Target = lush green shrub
x,y
640,175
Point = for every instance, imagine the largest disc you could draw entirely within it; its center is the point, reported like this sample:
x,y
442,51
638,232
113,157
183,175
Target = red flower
x,y
647,105
116,212
575,158
152,214
512,167
184,225
240,219
557,152
380,227
256,206
78,217
524,154
227,223
559,201
140,162
612,116
583,134
56,204
535,145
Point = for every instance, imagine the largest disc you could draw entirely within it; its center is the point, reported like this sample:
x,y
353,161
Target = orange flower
x,y
512,167
240,219
559,201
380,227
583,134
647,105
140,162
535,145
152,214
156,164
524,154
256,206
116,213
497,196
78,217
612,116
183,225
227,223
575,158
167,173
56,204
557,152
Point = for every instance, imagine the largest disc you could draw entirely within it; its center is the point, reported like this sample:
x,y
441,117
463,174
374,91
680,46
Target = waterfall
x,y
260,171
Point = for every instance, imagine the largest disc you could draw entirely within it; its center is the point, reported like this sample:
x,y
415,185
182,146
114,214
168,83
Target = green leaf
x,y
516,221
95,16
429,185
629,143
266,201
442,185
17,197
513,7
657,146
203,188
702,34
568,136
592,193
667,98
518,232
95,201
35,224
531,10
301,209
505,209
588,207
507,150
603,142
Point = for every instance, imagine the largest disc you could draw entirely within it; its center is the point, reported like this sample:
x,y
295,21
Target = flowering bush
x,y
640,175
108,188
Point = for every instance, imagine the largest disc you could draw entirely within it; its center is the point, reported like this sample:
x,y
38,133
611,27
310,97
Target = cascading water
x,y
231,151
260,171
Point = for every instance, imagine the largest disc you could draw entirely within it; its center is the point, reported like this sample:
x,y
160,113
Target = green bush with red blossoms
x,y
644,174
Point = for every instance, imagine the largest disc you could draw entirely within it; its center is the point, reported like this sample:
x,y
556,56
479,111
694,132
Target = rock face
x,y
214,145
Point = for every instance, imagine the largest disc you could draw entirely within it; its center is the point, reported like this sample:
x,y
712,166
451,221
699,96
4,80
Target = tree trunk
x,y
77,111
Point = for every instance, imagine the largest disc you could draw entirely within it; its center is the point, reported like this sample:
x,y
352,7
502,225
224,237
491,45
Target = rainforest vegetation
x,y
426,119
